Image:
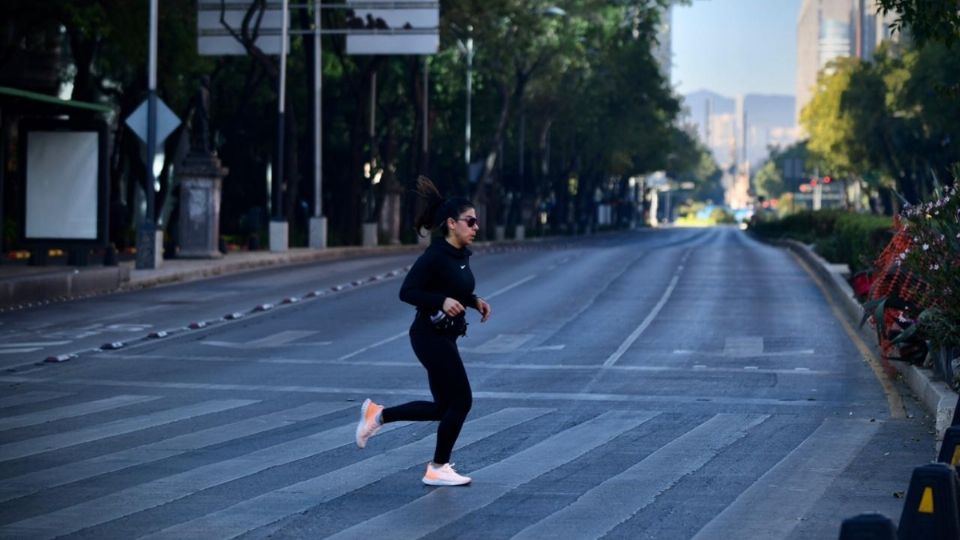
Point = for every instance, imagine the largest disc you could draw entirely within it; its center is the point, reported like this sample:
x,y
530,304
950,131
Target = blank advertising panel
x,y
62,185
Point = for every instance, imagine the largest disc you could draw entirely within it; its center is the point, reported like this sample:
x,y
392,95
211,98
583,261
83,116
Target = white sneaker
x,y
369,423
444,475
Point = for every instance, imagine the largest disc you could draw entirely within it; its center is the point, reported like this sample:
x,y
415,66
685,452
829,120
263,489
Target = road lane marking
x,y
502,343
20,486
615,500
377,344
773,505
421,517
509,287
799,352
743,346
279,339
627,343
167,489
275,505
71,411
57,441
407,392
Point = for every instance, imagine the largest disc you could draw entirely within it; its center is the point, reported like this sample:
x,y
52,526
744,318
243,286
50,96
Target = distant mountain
x,y
696,104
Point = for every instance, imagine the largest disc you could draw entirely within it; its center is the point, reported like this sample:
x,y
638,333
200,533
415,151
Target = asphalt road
x,y
680,383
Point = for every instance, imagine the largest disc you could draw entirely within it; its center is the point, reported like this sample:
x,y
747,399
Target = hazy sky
x,y
735,46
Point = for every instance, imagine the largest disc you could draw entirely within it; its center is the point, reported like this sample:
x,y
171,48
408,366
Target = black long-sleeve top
x,y
442,271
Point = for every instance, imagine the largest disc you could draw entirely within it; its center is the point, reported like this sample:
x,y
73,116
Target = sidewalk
x,y
24,286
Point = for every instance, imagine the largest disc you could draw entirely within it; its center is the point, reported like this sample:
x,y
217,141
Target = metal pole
x,y
466,152
147,245
317,114
281,98
152,116
426,104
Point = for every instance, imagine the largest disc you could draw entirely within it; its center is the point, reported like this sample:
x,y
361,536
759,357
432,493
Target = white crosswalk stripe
x,y
154,475
72,472
276,505
800,479
602,508
176,486
57,441
71,411
420,517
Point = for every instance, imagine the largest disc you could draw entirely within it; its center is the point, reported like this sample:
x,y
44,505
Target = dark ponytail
x,y
436,209
431,201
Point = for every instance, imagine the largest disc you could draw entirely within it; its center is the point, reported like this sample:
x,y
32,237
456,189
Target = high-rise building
x,y
829,29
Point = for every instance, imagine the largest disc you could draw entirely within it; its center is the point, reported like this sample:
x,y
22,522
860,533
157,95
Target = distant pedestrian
x,y
440,285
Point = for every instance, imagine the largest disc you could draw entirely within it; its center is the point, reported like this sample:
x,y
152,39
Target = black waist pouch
x,y
452,326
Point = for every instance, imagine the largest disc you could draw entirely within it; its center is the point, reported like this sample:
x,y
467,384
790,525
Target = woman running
x,y
440,285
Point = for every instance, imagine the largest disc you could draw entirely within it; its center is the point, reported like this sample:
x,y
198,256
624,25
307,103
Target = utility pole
x,y
149,239
279,228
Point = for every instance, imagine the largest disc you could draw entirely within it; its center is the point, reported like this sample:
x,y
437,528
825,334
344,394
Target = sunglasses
x,y
470,221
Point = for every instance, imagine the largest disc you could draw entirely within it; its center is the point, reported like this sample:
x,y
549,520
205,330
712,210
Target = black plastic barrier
x,y
930,508
868,527
950,449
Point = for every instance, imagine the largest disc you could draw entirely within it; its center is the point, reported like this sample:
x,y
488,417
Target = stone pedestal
x,y
520,232
499,233
149,247
369,234
318,233
279,236
201,181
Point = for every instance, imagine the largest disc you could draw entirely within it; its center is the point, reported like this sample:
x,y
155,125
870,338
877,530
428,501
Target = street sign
x,y
213,38
394,27
167,121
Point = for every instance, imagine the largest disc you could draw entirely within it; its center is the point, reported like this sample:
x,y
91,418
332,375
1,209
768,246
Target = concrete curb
x,y
935,395
180,270
46,286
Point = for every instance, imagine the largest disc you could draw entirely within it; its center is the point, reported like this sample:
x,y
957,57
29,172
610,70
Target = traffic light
x,y
827,179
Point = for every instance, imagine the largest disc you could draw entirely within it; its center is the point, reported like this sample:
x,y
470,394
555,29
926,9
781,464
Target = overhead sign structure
x,y
214,39
393,27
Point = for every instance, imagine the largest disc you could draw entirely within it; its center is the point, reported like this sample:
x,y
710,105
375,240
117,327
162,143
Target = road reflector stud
x,y
930,507
868,527
950,449
197,325
263,307
60,358
112,346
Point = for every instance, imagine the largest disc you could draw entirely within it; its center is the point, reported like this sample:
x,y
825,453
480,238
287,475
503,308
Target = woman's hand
x,y
452,308
484,308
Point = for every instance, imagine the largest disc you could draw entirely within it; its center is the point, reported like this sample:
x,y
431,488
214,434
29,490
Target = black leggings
x,y
452,397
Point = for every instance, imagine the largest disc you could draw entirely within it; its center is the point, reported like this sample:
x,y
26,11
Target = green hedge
x,y
837,235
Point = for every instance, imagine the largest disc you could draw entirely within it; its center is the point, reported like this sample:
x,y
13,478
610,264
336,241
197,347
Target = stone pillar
x,y
370,234
201,180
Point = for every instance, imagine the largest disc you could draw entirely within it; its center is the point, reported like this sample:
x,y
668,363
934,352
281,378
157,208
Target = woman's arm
x,y
415,286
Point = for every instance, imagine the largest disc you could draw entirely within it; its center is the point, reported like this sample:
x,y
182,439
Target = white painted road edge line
x,y
627,343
